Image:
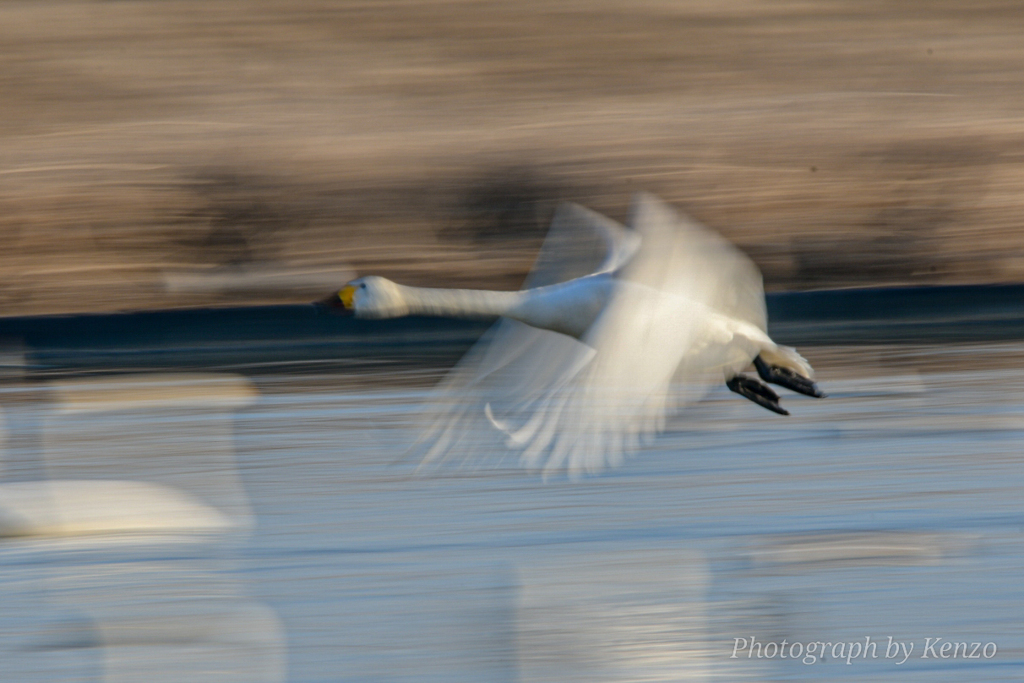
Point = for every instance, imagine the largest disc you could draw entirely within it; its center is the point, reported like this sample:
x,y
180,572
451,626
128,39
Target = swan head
x,y
368,297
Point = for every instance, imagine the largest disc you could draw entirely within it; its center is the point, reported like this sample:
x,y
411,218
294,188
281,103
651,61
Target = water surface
x,y
888,514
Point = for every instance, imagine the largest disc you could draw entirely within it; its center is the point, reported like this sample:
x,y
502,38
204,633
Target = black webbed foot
x,y
750,388
785,377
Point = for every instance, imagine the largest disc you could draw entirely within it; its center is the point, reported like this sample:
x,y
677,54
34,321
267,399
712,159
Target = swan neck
x,y
460,303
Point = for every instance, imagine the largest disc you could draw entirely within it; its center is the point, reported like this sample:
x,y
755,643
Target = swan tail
x,y
787,357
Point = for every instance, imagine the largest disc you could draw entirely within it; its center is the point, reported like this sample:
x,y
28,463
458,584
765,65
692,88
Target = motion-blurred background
x,y
177,153
257,522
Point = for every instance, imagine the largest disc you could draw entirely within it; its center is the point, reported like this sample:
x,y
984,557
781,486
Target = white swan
x,y
613,329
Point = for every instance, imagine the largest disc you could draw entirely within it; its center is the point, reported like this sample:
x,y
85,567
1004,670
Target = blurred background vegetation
x,y
277,143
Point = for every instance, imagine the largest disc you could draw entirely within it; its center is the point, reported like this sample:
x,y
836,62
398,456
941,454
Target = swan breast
x,y
569,307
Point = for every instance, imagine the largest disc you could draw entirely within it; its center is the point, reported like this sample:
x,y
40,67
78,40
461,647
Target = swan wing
x,y
579,406
622,399
581,242
685,259
486,406
561,405
680,318
503,387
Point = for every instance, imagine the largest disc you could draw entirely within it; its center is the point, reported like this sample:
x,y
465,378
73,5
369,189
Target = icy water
x,y
852,541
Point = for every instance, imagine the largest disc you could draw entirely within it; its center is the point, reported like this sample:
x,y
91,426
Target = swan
x,y
612,330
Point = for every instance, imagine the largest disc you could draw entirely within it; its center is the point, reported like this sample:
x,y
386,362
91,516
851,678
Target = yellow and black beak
x,y
339,303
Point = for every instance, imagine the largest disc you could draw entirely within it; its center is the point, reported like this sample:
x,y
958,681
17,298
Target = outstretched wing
x,y
513,369
581,242
507,378
579,406
673,327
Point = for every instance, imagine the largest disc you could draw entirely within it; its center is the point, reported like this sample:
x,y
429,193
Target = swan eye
x,y
362,286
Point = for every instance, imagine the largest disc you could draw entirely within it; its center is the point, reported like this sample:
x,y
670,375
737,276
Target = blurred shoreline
x,y
299,338
839,144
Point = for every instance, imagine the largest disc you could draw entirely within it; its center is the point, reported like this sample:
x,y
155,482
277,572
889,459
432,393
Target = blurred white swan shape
x,y
613,330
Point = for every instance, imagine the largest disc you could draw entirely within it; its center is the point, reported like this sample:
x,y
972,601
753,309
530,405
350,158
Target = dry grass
x,y
839,142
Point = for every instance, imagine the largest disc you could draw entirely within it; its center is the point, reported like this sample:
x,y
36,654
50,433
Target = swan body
x,y
613,329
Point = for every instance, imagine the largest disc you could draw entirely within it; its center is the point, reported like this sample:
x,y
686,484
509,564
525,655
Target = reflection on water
x,y
844,542
126,539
